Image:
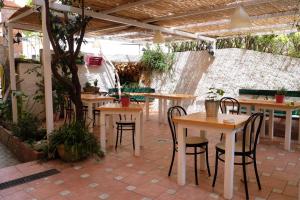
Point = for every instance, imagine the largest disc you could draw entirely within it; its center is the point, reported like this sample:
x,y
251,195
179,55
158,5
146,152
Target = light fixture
x,y
240,18
18,38
158,37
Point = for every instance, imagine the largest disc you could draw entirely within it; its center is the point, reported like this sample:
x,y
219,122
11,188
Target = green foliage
x,y
188,46
28,128
76,139
1,4
96,82
288,45
5,110
214,94
155,60
281,91
88,84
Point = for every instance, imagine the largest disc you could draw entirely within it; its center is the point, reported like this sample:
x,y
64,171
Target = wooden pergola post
x,y
47,75
12,70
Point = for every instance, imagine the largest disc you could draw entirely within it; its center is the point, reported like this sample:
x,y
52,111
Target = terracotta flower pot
x,y
279,98
125,101
69,155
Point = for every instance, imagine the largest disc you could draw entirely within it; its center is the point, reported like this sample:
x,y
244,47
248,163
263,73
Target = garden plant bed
x,y
20,149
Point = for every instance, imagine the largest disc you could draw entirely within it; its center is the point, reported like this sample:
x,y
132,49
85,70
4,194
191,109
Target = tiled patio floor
x,y
121,176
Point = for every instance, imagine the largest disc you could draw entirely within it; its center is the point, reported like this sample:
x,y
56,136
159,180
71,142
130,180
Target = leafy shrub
x,y
77,141
28,128
155,60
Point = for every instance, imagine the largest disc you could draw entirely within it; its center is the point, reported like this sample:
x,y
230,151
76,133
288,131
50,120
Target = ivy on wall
x,y
288,45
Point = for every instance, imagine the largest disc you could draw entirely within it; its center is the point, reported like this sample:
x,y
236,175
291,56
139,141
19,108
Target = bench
x,y
270,94
139,98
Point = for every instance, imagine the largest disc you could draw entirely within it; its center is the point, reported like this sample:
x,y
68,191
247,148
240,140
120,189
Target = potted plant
x,y
96,88
212,102
280,94
73,142
125,100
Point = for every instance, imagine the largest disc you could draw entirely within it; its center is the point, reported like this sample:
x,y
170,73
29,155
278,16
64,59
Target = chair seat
x,y
238,147
194,140
125,122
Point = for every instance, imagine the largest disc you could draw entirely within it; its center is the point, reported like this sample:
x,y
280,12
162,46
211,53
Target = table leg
x,y
111,131
248,110
288,128
90,115
138,135
147,107
142,128
256,109
299,134
181,167
102,132
229,165
179,102
271,124
165,110
263,125
202,156
160,110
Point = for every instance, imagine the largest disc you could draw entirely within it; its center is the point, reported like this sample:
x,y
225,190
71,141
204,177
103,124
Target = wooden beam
x,y
128,5
121,20
247,29
227,21
20,16
26,27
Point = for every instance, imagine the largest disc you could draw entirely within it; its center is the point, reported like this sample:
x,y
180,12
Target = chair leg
x,y
216,169
221,138
171,166
245,177
117,139
207,161
133,139
256,172
195,159
121,135
94,119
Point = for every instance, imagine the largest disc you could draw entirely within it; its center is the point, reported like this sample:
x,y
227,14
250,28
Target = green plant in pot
x,y
280,94
125,100
73,142
212,101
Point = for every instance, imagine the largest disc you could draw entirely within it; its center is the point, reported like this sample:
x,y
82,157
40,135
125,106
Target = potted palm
x,y
212,101
125,100
280,94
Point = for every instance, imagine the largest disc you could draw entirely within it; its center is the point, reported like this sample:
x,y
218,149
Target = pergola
x,y
137,21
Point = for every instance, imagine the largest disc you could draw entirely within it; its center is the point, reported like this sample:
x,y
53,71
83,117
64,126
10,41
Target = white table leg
x,y
181,167
179,102
299,135
229,165
263,125
202,156
110,135
160,110
288,128
138,135
165,110
90,115
147,107
271,124
248,110
102,132
142,128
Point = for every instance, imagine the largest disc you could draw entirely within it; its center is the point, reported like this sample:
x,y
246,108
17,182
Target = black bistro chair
x,y
233,104
126,123
244,149
200,144
69,111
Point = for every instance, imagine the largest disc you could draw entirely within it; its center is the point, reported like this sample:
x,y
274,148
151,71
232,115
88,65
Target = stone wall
x,y
230,69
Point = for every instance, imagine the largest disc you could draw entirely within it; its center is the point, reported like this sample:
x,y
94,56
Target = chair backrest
x,y
251,132
172,112
230,102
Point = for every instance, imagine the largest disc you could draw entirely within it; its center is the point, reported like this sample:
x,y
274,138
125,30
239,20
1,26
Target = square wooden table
x,y
211,126
116,109
271,105
90,99
163,103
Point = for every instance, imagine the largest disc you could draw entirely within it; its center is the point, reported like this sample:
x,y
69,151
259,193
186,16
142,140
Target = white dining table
x,y
110,109
210,126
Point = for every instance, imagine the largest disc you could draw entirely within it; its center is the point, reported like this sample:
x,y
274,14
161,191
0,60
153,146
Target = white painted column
x,y
47,74
12,70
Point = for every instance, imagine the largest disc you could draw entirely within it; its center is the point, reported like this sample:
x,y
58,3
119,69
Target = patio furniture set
x,y
238,115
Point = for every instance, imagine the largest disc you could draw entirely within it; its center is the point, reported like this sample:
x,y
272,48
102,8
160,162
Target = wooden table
x,y
90,99
115,109
271,105
163,104
211,126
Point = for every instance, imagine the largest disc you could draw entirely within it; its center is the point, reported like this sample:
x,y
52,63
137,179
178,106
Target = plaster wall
x,y
229,69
